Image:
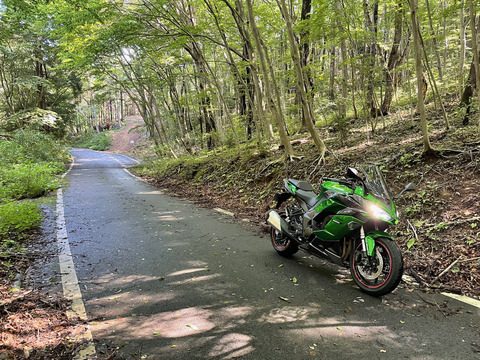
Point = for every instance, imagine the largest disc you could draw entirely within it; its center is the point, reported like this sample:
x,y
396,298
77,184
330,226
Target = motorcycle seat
x,y
300,184
305,192
309,197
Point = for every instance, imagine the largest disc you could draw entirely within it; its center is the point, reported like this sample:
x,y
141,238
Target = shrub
x,y
93,140
16,219
29,180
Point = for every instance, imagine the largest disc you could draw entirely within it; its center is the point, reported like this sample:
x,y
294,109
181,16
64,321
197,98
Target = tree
x,y
427,148
301,81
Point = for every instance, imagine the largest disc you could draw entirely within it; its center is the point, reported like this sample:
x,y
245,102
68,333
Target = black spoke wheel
x,y
282,244
380,274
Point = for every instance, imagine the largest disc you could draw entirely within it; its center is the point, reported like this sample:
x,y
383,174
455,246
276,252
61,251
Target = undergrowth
x,y
92,140
30,163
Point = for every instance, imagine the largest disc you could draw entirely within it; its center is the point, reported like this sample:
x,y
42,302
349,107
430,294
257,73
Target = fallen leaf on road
x,y
194,327
284,298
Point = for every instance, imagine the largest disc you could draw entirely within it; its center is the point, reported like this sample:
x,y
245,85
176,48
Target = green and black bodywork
x,y
345,223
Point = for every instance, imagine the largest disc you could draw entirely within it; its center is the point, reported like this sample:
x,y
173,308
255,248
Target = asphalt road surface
x,y
164,279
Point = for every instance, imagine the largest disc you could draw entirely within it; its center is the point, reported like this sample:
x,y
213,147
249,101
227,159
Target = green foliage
x,y
29,164
29,180
36,120
16,219
30,146
93,140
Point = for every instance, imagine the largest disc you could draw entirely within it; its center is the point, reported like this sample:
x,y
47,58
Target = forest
x,y
236,94
231,96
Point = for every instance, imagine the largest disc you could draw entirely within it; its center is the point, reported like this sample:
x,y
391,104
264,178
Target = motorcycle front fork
x,y
366,252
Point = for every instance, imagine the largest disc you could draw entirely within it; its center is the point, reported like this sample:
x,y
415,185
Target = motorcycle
x,y
344,223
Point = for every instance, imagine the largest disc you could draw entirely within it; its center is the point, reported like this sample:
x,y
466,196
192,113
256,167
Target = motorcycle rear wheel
x,y
383,273
282,244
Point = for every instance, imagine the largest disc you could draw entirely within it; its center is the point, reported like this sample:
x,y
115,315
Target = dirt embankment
x,y
127,139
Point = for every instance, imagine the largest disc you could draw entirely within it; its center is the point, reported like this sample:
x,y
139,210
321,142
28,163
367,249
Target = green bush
x,y
29,180
30,146
16,219
93,140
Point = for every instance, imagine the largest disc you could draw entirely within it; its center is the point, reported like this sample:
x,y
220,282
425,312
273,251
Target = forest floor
x,y
438,231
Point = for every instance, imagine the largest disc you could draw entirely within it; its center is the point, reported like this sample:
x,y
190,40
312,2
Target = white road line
x,y
71,288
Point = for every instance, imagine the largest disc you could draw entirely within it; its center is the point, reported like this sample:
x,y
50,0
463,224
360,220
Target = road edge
x,y
71,288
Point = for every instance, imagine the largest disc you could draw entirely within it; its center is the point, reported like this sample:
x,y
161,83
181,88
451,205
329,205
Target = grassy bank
x,y
30,164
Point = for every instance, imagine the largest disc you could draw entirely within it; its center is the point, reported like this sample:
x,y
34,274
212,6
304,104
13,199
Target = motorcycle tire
x,y
282,245
383,274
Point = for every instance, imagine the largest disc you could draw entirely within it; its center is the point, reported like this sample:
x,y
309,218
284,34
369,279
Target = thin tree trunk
x,y
342,108
473,29
305,56
427,148
263,65
300,80
393,60
463,44
434,40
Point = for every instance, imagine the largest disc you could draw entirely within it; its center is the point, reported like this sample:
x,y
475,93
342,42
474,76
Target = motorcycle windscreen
x,y
374,181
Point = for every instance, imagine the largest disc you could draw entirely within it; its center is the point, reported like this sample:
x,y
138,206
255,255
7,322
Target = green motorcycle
x,y
345,223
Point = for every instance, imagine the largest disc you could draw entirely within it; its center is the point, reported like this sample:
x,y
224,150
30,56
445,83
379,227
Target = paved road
x,y
164,279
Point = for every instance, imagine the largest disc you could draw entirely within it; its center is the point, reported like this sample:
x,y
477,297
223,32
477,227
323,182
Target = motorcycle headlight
x,y
380,213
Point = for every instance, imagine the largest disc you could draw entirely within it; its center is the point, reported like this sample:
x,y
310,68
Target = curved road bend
x,y
164,279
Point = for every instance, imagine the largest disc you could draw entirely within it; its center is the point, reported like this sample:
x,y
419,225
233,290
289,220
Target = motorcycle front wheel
x,y
282,244
380,274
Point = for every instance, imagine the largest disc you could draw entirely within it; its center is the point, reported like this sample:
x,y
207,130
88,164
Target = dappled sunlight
x,y
197,279
153,192
188,271
360,332
172,324
232,346
288,314
168,216
115,280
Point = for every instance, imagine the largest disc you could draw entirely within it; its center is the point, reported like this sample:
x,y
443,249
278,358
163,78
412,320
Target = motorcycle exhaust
x,y
279,224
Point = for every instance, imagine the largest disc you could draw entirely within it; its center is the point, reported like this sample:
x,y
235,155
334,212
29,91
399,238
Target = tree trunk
x,y
300,80
276,111
434,40
371,21
305,56
463,41
342,107
473,28
393,60
427,148
331,92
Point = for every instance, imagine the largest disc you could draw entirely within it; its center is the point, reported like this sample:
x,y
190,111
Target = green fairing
x,y
335,186
329,203
337,228
293,188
